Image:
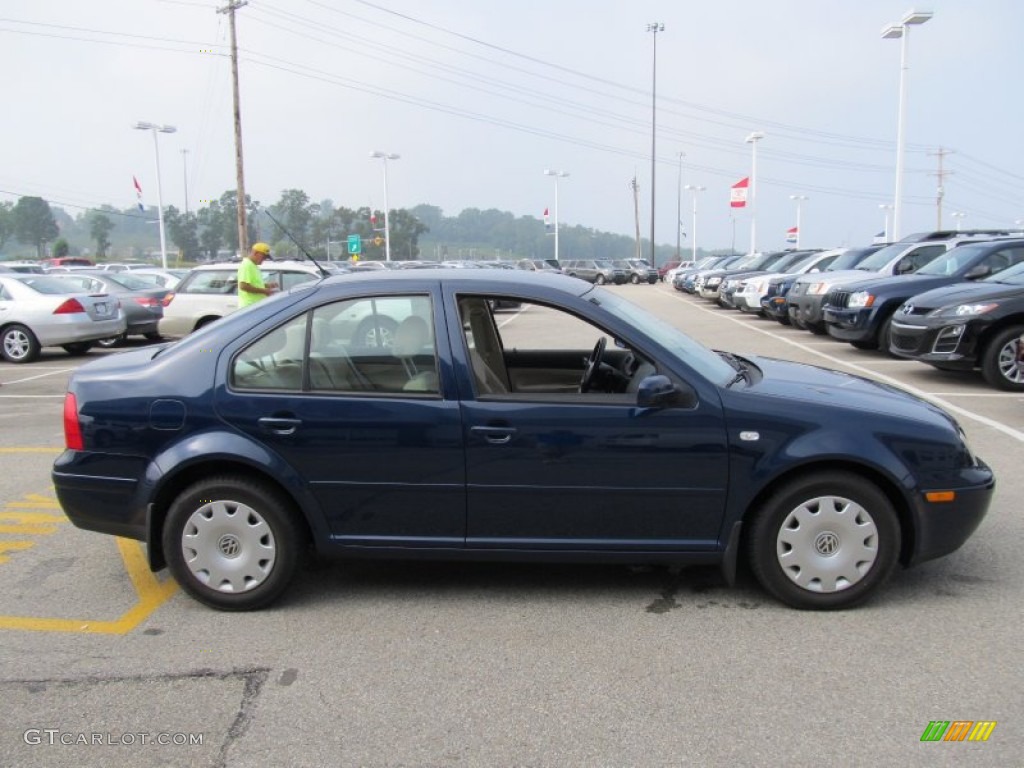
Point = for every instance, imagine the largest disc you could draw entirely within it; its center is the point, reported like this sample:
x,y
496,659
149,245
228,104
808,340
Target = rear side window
x,y
210,282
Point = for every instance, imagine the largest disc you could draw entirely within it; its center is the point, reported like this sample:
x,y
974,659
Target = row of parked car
x,y
951,299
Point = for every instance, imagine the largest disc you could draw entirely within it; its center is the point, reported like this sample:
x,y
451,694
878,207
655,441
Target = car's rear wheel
x,y
824,541
599,280
232,543
153,336
19,344
1002,361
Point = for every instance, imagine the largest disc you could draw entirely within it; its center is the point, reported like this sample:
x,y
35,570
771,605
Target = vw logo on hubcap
x,y
826,544
229,545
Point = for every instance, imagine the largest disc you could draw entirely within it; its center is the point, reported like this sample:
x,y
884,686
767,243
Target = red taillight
x,y
69,307
168,299
72,429
147,301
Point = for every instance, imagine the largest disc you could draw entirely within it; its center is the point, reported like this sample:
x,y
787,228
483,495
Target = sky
x,y
480,98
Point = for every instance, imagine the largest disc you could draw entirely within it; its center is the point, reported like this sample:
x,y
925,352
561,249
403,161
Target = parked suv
x,y
209,292
861,312
965,326
637,270
807,296
596,271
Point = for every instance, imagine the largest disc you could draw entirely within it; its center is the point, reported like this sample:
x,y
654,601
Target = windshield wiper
x,y
739,365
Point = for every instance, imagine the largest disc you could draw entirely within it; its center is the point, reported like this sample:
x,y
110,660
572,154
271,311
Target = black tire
x,y
232,543
885,337
78,348
599,279
153,336
18,344
866,345
827,527
818,329
1001,363
634,279
367,332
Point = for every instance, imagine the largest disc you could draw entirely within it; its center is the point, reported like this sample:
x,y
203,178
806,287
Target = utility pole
x,y
239,173
941,175
184,163
636,214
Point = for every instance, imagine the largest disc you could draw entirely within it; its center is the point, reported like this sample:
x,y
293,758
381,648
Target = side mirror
x,y
658,391
978,271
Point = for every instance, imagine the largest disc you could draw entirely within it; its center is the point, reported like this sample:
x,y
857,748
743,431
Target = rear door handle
x,y
279,425
494,435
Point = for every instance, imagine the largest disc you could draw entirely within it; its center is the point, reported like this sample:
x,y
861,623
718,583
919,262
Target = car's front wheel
x,y
634,279
232,543
599,279
824,541
1002,361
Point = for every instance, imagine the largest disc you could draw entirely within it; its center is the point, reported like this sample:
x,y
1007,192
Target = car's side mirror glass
x,y
658,391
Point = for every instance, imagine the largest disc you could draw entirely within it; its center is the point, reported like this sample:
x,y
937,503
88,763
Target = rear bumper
x,y
57,334
103,493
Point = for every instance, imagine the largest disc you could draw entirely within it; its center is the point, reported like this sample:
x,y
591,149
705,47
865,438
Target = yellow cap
x,y
262,248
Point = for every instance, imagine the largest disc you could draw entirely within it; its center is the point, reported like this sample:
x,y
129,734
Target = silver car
x,y
40,311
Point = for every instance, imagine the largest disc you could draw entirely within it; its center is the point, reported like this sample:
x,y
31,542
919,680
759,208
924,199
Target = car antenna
x,y
308,255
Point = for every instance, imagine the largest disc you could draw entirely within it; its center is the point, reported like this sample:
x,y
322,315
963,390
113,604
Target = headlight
x,y
860,299
817,289
964,310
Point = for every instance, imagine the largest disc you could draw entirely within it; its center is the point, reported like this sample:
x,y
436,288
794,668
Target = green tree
x,y
61,248
34,223
100,227
183,229
212,228
6,222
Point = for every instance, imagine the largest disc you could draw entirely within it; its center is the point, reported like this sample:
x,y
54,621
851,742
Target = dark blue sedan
x,y
464,434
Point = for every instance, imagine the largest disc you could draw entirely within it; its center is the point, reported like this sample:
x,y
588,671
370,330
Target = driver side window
x,y
537,351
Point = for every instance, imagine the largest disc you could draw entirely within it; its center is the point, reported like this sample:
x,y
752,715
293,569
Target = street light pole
x,y
654,28
892,32
154,129
679,204
886,207
384,157
557,175
958,215
799,199
752,140
693,228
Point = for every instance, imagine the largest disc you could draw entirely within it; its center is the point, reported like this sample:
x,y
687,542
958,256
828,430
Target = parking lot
x,y
414,664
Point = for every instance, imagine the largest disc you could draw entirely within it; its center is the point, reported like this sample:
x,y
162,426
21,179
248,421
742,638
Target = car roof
x,y
283,266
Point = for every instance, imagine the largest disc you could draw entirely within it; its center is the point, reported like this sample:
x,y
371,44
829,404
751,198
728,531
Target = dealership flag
x,y
547,219
138,193
738,197
792,234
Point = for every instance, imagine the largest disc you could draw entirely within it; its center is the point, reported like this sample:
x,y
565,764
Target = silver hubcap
x,y
1011,364
15,344
827,544
228,546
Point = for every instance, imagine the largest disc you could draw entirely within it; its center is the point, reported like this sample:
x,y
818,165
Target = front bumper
x,y
941,528
849,324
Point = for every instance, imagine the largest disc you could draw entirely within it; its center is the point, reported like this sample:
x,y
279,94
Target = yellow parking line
x,y
151,592
13,546
29,529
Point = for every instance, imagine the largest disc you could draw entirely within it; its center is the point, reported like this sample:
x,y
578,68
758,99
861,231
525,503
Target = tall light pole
x,y
184,165
557,175
384,157
886,208
240,215
752,140
155,129
799,199
891,32
654,28
679,204
959,216
693,227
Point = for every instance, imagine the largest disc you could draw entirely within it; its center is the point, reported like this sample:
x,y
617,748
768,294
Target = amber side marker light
x,y
940,496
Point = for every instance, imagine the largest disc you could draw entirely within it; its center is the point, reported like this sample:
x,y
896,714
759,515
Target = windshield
x,y
46,284
130,281
1010,276
708,363
952,261
850,259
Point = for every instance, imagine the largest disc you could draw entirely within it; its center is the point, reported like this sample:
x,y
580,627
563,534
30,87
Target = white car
x,y
161,278
210,292
39,311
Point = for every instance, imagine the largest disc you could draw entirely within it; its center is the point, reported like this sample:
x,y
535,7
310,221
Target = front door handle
x,y
279,425
494,435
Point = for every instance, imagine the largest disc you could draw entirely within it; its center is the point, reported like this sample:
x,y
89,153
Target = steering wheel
x,y
593,365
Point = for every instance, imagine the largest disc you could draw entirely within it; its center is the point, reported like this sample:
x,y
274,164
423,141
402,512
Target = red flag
x,y
138,193
792,235
547,219
738,196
